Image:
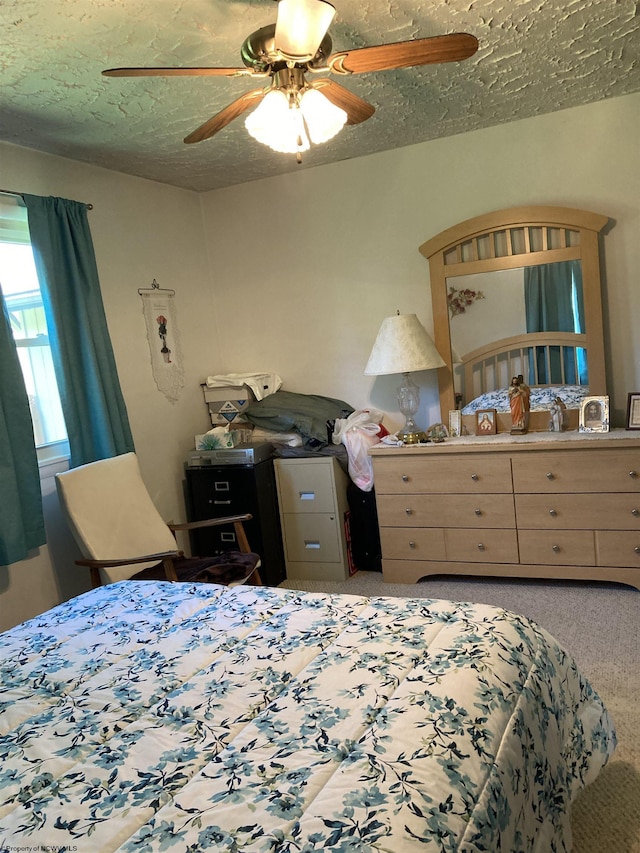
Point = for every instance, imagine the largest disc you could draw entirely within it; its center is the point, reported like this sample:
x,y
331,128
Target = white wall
x,y
329,252
294,274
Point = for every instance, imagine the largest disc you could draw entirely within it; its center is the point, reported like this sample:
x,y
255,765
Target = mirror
x,y
487,307
494,255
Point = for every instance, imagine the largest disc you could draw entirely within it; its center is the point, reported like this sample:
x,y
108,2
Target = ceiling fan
x,y
290,108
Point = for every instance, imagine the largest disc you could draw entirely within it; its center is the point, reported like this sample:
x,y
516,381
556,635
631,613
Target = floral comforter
x,y
147,717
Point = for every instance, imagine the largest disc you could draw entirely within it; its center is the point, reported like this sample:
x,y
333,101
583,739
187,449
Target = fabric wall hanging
x,y
158,307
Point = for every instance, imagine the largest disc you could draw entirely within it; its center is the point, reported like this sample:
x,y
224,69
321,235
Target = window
x,y
21,291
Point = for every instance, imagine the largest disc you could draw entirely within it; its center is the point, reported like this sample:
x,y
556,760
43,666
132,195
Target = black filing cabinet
x,y
214,491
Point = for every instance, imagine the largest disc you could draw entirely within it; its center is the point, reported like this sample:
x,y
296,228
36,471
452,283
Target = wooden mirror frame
x,y
503,240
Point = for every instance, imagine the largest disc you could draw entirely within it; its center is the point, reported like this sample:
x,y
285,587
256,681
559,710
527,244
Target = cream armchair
x,y
122,536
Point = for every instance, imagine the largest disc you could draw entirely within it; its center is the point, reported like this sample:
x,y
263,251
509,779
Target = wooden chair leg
x,y
241,537
169,569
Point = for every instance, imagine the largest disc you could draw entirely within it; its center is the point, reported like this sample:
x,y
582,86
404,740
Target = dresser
x,y
215,491
543,505
312,496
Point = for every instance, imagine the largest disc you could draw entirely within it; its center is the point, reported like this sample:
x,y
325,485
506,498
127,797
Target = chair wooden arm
x,y
148,558
164,557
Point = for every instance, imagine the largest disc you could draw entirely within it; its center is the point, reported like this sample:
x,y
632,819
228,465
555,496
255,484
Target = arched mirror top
x,y
522,241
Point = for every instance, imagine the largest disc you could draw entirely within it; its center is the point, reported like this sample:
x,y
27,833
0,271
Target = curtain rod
x,y
13,192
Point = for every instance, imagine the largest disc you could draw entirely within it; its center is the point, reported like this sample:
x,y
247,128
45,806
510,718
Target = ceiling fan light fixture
x,y
301,26
323,119
277,124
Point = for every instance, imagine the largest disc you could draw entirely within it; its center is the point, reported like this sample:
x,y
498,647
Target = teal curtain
x,y
21,517
554,303
92,401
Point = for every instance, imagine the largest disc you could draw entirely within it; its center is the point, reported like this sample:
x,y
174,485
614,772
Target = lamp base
x,y
411,436
408,402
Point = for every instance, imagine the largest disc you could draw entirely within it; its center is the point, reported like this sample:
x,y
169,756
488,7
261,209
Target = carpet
x,y
599,625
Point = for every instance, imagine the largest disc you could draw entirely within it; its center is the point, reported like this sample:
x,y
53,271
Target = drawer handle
x,y
633,473
405,478
227,537
307,496
475,477
408,511
637,549
480,546
550,475
478,511
220,503
312,544
413,545
553,512
635,512
555,548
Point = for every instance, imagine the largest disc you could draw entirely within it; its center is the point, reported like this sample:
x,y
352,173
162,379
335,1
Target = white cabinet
x,y
312,496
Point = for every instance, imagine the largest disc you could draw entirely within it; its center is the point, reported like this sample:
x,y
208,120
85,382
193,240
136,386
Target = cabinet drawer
x,y
481,546
305,486
579,471
453,475
311,538
557,548
617,549
412,543
215,492
581,512
446,510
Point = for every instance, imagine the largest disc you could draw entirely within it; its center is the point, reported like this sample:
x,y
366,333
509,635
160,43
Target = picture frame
x,y
594,414
455,423
486,422
633,410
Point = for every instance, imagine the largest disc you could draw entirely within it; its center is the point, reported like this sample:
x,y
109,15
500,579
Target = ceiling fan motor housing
x,y
259,51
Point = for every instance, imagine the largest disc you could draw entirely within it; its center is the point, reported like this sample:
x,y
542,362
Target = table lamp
x,y
403,346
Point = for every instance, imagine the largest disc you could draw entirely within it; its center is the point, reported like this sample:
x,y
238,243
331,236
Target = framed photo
x,y
455,423
633,411
594,414
486,422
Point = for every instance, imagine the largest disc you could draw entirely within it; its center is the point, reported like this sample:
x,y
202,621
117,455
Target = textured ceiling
x,y
535,56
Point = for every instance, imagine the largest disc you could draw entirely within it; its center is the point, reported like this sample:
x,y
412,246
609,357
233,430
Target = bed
x,y
487,373
149,716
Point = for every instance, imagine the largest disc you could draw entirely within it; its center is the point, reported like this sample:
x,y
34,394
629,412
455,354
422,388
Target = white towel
x,y
262,384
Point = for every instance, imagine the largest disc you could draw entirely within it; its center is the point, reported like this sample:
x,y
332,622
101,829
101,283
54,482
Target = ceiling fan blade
x,y
300,27
404,54
356,109
176,72
227,115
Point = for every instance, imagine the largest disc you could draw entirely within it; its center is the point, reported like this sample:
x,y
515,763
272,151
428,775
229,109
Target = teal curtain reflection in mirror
x,y
554,302
92,401
21,516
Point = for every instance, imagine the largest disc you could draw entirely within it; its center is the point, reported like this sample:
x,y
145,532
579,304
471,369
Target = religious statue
x,y
519,402
556,422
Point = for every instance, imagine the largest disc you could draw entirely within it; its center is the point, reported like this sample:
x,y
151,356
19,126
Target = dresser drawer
x,y
446,510
617,549
452,475
579,471
557,547
481,546
311,538
306,486
412,543
581,512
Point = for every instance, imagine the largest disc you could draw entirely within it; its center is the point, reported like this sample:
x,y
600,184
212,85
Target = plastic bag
x,y
358,433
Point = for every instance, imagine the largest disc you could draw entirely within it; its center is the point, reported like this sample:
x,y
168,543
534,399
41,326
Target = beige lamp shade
x,y
402,346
